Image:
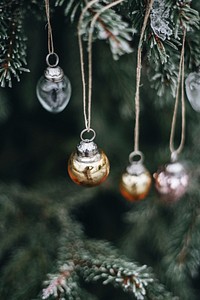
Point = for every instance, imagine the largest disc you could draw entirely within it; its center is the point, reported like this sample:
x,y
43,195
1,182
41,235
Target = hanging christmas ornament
x,y
172,179
53,88
88,165
136,181
192,85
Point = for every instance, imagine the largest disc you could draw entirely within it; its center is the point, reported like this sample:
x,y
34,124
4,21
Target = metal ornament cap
x,y
136,181
88,165
87,149
54,74
171,181
136,169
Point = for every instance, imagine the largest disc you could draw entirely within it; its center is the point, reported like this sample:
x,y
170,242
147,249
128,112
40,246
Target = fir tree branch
x,y
13,47
117,27
61,283
163,50
96,260
109,26
183,16
30,232
120,273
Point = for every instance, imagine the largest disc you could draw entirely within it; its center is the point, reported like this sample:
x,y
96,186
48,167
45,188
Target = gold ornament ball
x,y
135,187
135,182
89,166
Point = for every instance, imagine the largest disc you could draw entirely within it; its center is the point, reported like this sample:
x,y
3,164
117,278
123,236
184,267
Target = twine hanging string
x,y
175,152
138,76
87,105
92,25
50,35
86,110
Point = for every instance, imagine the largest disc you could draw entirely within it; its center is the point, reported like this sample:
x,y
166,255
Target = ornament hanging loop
x,y
174,156
51,56
180,86
136,157
88,130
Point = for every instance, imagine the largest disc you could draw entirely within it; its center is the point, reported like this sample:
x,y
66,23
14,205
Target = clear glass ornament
x,y
88,165
192,85
53,88
171,181
136,180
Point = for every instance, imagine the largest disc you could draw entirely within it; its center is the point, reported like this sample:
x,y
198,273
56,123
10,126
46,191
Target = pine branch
x,y
96,260
13,46
71,8
162,40
163,55
63,283
30,232
109,26
163,76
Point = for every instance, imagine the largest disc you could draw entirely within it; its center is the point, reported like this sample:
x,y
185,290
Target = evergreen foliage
x,y
29,216
12,42
45,252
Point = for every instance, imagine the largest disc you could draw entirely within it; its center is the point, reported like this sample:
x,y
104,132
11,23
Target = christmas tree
x,y
64,241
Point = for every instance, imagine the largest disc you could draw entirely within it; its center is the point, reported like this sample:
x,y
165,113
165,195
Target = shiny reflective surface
x,y
135,187
88,171
171,181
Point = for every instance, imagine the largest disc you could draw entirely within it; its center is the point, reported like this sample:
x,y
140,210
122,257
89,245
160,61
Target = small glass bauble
x,y
136,180
88,165
192,85
53,89
171,181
